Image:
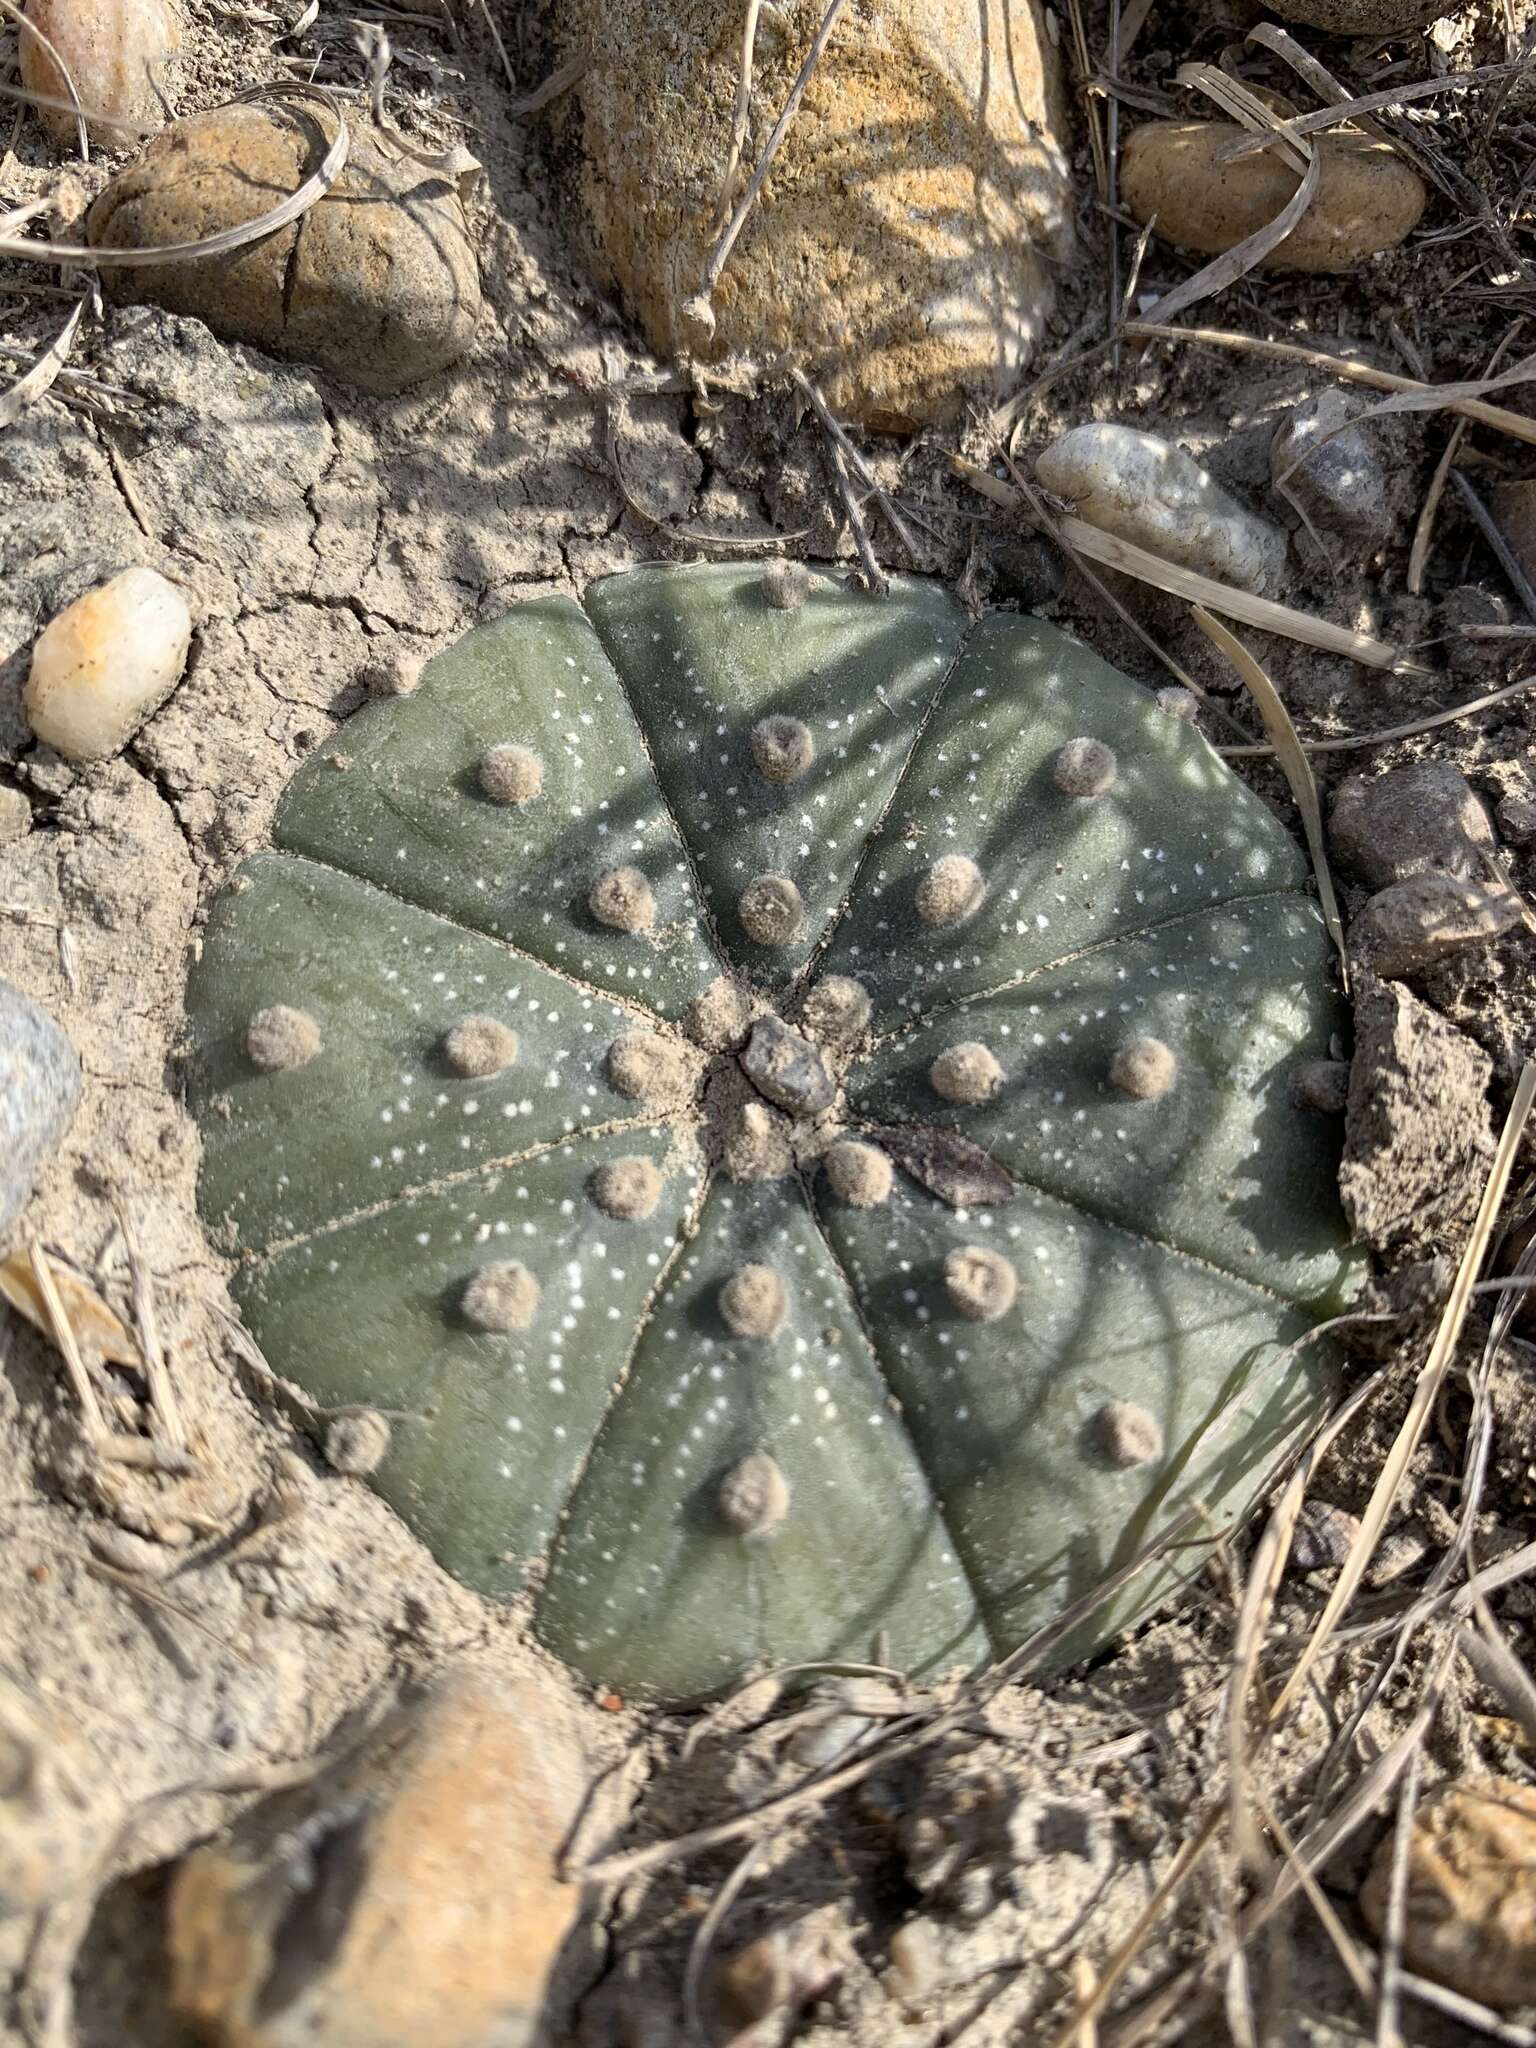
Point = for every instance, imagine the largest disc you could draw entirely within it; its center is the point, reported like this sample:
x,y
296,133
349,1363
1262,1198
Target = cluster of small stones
x,y
773,1105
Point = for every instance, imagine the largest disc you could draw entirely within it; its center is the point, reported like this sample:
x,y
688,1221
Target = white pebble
x,y
106,664
1152,494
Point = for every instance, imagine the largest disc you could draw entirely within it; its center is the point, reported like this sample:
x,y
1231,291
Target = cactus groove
x,y
789,1101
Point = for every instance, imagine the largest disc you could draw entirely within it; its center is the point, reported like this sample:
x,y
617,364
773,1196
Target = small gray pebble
x,y
1517,820
787,1068
39,1087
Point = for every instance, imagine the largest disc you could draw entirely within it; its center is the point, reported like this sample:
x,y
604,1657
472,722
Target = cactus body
x,y
952,908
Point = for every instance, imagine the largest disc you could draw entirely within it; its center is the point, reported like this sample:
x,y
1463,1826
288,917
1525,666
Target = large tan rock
x,y
904,243
1367,198
113,50
377,282
1471,1899
410,1897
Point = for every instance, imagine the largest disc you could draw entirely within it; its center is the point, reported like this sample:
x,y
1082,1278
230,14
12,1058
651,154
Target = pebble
x,y
1516,816
435,1848
1341,485
1412,821
905,244
39,1087
357,1444
111,48
1321,1085
1367,198
787,1069
1324,1537
1408,927
106,664
1471,1895
378,283
15,816
1155,495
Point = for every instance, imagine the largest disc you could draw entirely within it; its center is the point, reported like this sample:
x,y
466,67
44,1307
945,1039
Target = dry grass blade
x,y
298,202
1297,769
1389,2033
1252,113
1262,613
726,240
558,82
62,1332
1500,1669
742,114
1358,110
1482,2018
1318,76
1513,423
29,388
96,1330
1426,1393
162,1394
699,1949
30,28
1393,732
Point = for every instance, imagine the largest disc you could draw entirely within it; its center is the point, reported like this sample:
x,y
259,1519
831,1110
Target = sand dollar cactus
x,y
788,1107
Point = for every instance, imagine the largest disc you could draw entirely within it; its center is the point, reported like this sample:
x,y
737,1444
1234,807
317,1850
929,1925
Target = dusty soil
x,y
194,1632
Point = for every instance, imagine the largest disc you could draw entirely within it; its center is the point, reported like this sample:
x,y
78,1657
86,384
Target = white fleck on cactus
x,y
795,1098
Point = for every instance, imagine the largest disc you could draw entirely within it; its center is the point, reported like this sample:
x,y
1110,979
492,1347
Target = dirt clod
x,y
510,774
753,1302
501,1297
281,1037
1471,1920
981,1284
1322,1085
1413,925
786,585
1411,821
621,898
478,1047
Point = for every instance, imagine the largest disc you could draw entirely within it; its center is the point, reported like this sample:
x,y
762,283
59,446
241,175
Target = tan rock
x,y
1408,927
377,282
904,241
1471,1897
112,49
408,1897
1367,199
106,663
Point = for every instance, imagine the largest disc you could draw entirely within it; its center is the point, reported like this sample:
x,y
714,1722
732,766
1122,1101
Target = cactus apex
x,y
860,1175
782,748
1085,768
753,1302
280,1037
951,891
1128,1434
771,910
1144,1069
628,1189
981,1284
500,1298
478,1047
966,1073
754,1496
510,774
622,899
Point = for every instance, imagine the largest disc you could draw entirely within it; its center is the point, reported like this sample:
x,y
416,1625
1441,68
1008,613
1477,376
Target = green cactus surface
x,y
787,1097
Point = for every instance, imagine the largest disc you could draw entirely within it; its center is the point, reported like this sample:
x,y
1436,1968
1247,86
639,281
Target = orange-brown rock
x,y
904,242
408,1897
1367,198
114,50
377,282
1471,1890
